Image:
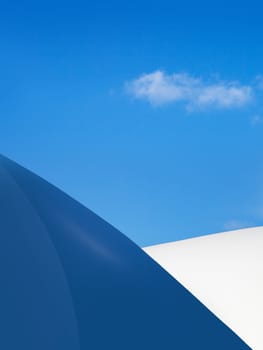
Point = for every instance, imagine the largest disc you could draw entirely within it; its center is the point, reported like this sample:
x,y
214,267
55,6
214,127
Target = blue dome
x,y
71,281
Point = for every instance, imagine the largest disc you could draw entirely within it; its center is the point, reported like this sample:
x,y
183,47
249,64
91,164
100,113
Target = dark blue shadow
x,y
69,280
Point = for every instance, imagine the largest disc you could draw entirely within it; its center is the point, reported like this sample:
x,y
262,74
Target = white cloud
x,y
159,88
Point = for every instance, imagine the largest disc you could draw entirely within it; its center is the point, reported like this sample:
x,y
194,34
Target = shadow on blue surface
x,y
69,280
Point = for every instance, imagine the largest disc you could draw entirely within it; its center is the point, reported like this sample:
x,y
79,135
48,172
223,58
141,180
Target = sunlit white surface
x,y
225,272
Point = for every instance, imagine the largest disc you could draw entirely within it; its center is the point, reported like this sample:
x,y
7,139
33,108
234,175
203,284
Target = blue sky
x,y
149,113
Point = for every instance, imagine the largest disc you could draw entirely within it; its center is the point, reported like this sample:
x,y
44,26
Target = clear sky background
x,y
149,113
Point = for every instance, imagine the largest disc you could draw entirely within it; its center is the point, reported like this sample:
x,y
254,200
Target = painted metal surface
x,y
225,272
71,281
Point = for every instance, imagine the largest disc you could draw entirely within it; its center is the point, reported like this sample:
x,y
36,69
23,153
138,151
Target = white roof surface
x,y
225,272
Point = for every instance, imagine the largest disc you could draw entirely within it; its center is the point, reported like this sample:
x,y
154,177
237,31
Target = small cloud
x,y
256,120
159,88
236,224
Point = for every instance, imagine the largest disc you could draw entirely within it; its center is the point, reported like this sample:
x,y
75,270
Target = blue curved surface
x,y
71,281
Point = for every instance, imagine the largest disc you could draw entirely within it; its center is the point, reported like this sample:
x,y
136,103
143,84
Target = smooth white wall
x,y
225,272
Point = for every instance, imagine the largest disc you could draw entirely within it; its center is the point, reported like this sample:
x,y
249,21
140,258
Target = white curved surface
x,y
225,272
